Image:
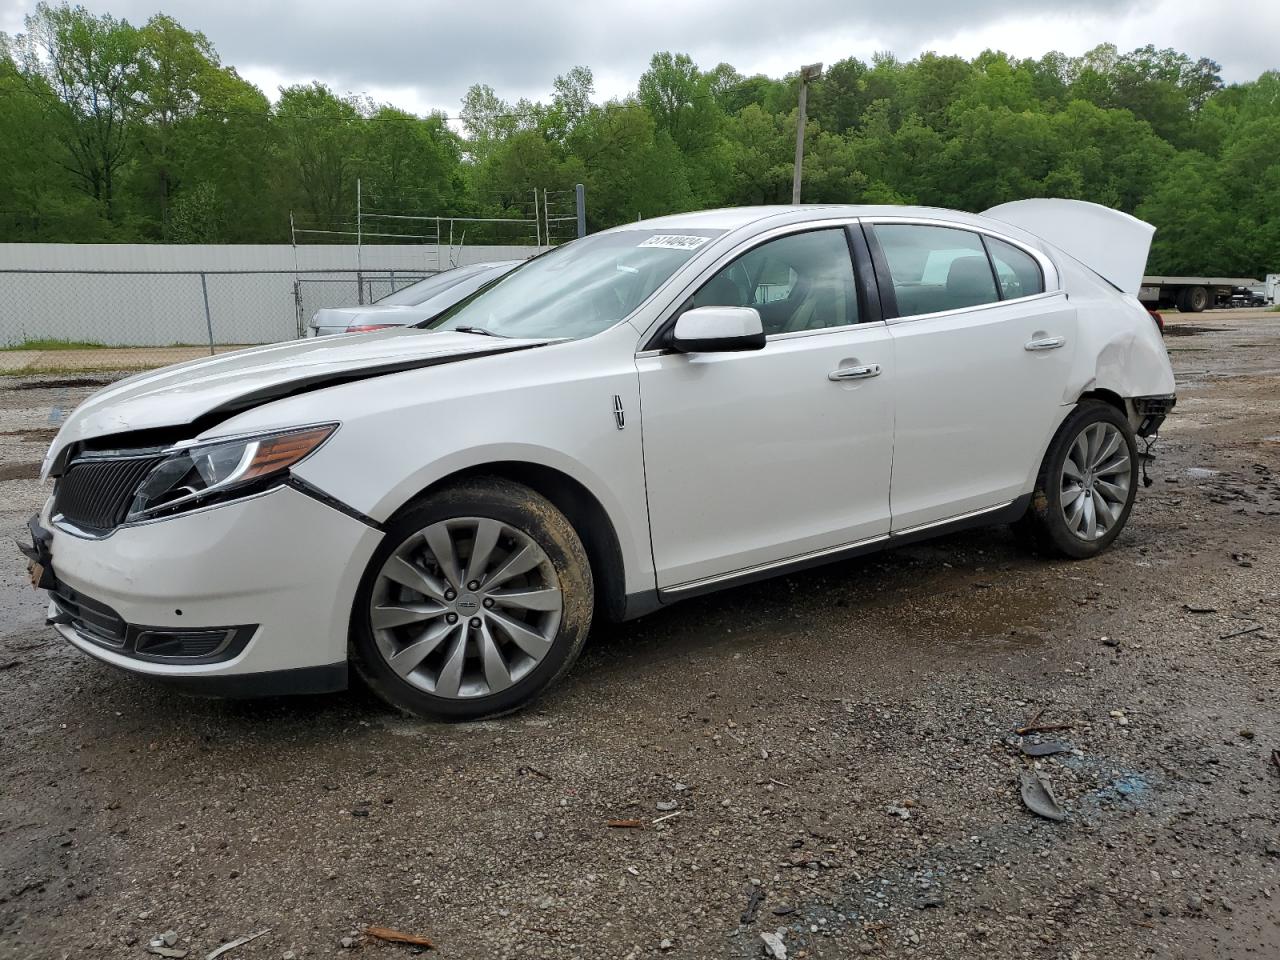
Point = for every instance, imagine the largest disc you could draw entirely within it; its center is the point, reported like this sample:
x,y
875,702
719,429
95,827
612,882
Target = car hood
x,y
213,388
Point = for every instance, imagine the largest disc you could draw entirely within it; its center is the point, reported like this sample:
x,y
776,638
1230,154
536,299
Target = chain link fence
x,y
73,318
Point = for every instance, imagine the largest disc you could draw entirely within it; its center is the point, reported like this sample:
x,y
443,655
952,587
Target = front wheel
x,y
477,600
1087,483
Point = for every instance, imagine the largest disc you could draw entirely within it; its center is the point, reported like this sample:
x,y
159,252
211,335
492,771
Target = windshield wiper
x,y
479,330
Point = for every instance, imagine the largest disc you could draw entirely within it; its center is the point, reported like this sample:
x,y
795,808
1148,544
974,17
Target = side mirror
x,y
718,330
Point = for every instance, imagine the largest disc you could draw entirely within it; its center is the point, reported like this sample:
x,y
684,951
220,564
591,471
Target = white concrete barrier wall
x,y
151,294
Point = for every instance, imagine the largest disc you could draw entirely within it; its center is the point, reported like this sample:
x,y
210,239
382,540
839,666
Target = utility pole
x,y
807,73
360,242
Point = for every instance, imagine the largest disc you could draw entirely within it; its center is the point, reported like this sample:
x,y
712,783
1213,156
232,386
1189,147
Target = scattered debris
x,y
753,906
163,945
625,824
347,943
526,770
773,943
1198,608
1240,633
901,812
783,910
665,805
666,944
1037,796
1035,726
212,954
1045,749
1109,641
667,817
396,936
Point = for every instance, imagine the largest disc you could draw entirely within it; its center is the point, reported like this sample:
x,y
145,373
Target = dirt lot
x,y
837,745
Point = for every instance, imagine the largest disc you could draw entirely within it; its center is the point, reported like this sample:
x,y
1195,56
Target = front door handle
x,y
855,373
1045,343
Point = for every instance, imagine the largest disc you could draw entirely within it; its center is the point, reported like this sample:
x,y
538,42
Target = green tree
x,y
85,72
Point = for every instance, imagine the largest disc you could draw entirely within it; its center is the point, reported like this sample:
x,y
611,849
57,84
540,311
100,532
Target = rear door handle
x,y
1045,343
864,372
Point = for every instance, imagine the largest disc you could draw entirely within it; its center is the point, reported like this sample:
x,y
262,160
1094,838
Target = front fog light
x,y
190,476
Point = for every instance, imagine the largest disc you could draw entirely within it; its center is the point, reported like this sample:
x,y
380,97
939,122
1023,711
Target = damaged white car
x,y
652,412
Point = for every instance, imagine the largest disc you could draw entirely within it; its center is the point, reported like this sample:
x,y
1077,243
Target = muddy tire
x,y
1086,485
477,600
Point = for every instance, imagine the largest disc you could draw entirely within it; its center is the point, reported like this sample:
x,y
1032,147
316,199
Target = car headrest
x,y
970,277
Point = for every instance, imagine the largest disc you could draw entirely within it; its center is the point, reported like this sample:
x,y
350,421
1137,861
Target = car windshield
x,y
579,289
416,293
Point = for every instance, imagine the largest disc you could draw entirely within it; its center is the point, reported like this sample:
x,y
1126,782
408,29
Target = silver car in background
x,y
416,303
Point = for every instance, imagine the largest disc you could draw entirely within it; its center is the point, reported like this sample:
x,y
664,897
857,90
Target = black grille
x,y
96,494
90,617
181,644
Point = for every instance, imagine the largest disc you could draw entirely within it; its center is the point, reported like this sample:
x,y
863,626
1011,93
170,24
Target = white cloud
x,y
424,55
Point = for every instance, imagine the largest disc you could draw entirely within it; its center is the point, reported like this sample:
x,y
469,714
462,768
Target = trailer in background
x,y
1190,294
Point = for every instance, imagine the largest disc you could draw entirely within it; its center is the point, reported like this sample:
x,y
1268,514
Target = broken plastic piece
x,y
1037,796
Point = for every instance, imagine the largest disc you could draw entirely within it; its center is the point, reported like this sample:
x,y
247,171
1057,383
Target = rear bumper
x,y
1152,412
275,573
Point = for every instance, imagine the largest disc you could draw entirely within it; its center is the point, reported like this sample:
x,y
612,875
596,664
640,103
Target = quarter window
x,y
803,281
936,268
1017,270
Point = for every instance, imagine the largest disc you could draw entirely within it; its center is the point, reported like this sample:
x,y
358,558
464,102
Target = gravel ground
x,y
837,747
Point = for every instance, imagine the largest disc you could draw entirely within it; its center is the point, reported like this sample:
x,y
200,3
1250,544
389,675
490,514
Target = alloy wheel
x,y
1095,480
466,607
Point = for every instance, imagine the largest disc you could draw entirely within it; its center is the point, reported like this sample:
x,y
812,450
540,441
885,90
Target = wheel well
x,y
1107,396
581,508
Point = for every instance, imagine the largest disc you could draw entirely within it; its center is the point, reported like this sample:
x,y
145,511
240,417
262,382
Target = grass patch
x,y
52,343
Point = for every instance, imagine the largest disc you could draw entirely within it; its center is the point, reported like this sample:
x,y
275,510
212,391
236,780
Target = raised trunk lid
x,y
1108,242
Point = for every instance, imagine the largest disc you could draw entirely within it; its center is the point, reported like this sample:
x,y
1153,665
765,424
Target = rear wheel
x,y
477,600
1087,483
1193,299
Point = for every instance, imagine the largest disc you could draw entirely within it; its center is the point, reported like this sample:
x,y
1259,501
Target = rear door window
x,y
1017,270
936,268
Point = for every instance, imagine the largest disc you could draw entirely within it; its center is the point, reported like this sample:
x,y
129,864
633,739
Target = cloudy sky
x,y
423,54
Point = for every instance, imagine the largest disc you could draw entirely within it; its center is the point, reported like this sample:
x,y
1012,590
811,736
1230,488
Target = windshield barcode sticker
x,y
675,241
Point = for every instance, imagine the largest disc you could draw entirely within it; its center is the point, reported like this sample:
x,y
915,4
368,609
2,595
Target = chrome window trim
x,y
726,257
1048,269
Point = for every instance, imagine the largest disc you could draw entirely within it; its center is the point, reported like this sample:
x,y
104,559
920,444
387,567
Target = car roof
x,y
732,218
752,220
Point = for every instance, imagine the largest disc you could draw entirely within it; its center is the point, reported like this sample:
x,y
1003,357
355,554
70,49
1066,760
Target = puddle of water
x,y
1188,330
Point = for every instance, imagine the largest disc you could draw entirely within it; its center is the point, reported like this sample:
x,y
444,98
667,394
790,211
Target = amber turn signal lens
x,y
279,453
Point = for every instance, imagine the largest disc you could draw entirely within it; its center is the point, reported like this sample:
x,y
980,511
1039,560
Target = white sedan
x,y
649,413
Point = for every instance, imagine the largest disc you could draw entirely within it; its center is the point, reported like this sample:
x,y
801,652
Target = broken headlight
x,y
192,475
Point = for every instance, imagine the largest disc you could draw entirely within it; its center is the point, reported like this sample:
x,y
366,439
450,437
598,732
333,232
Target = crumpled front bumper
x,y
280,569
